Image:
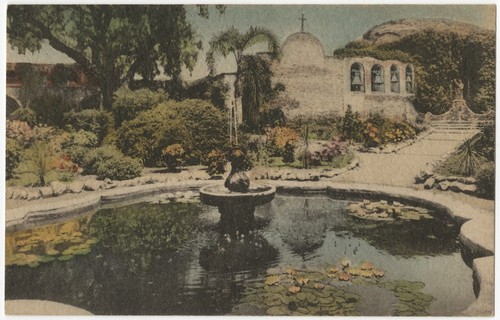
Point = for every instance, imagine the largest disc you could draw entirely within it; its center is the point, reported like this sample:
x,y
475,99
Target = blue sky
x,y
334,25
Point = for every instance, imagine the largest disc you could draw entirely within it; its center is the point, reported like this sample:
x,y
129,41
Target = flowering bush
x,y
174,156
216,160
279,137
333,148
20,131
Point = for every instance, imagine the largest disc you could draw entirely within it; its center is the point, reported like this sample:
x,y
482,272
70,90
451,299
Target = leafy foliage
x,y
485,177
112,43
78,144
127,104
40,158
195,124
12,157
27,115
19,131
50,108
216,162
174,156
279,137
374,52
252,74
96,121
109,162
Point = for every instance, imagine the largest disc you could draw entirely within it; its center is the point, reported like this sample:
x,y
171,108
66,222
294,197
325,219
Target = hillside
x,y
395,30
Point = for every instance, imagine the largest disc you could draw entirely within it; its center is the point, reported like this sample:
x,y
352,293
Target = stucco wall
x,y
322,85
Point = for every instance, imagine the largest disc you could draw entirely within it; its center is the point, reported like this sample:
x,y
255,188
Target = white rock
x,y
19,194
33,194
92,185
429,183
76,186
58,188
46,192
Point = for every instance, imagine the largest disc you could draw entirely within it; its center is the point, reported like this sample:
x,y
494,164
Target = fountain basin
x,y
216,195
236,208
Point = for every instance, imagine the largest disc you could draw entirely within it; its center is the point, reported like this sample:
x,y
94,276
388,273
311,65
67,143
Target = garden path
x,y
400,168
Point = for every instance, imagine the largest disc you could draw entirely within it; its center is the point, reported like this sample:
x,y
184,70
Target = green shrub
x,y
109,162
486,180
96,121
216,162
127,104
40,159
196,124
78,144
50,108
12,157
26,115
174,156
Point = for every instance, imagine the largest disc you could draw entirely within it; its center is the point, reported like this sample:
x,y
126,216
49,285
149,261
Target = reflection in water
x,y
170,259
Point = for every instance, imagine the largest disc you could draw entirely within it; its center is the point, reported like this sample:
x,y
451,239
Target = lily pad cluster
x,y
386,211
412,301
46,244
288,291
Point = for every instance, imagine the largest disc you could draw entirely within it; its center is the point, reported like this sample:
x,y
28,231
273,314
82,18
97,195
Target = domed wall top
x,y
302,48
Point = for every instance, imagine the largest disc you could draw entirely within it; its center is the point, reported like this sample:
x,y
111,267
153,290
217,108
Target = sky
x,y
334,25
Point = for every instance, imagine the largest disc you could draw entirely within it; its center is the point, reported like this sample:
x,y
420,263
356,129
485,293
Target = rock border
x,y
477,231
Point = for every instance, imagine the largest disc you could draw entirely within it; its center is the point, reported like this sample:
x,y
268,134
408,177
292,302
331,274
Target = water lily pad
x,y
367,265
277,311
402,307
403,296
319,286
303,310
291,271
65,257
344,276
326,301
275,289
378,273
345,262
271,280
294,289
45,259
33,264
302,280
353,271
332,269
351,297
272,301
301,296
366,273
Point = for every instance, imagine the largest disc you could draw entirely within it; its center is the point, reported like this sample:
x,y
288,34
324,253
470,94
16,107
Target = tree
x,y
233,42
112,43
257,87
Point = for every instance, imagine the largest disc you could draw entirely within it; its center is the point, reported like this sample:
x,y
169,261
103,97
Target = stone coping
x,y
42,308
477,231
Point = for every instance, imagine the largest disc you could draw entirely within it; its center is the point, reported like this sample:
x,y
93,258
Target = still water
x,y
170,259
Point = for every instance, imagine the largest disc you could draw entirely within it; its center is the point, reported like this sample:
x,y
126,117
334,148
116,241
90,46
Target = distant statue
x,y
458,89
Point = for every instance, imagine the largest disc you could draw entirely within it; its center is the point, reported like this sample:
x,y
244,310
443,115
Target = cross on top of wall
x,y
302,23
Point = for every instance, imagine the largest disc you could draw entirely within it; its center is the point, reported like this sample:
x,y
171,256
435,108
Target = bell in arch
x,y
394,77
356,80
378,79
408,78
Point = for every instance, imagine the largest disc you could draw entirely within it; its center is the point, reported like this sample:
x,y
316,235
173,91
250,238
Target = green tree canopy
x,y
112,43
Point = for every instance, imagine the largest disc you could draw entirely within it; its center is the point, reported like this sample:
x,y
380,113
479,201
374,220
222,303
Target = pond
x,y
308,255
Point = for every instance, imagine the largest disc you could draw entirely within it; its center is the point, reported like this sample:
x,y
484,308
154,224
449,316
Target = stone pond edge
x,y
477,232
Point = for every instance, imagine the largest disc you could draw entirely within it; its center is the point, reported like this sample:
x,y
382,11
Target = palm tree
x,y
232,41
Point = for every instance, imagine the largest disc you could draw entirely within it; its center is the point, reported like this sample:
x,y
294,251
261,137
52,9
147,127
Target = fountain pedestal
x,y
237,208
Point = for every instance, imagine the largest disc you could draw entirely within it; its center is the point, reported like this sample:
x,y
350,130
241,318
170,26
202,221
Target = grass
x,y
338,162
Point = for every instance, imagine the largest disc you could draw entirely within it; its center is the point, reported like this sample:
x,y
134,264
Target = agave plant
x,y
469,156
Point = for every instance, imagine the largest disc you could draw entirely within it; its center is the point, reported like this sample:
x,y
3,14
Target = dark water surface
x,y
170,259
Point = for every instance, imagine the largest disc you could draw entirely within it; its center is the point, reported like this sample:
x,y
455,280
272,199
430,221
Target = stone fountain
x,y
236,200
